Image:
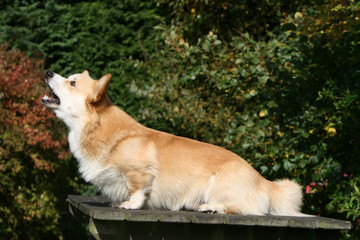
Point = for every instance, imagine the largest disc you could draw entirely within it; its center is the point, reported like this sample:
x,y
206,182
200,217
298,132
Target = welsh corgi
x,y
136,166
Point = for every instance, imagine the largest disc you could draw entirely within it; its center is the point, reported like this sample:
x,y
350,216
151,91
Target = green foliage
x,y
289,105
60,32
276,82
227,17
347,201
102,36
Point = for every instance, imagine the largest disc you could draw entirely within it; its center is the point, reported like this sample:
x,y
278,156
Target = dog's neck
x,y
88,140
74,122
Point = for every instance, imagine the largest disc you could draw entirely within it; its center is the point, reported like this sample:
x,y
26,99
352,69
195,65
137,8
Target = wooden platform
x,y
106,222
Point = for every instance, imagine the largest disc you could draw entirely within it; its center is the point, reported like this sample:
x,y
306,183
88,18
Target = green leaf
x,y
217,42
264,169
260,133
287,165
250,123
356,188
206,45
314,159
241,130
263,79
276,167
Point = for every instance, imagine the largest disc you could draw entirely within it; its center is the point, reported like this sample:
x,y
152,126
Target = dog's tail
x,y
285,198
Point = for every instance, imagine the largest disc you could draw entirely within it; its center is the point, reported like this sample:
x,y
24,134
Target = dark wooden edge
x,y
98,207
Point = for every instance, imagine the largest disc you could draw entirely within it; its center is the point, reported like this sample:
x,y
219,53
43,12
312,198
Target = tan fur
x,y
136,166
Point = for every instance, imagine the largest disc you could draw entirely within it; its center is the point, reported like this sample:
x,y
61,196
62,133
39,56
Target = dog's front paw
x,y
130,205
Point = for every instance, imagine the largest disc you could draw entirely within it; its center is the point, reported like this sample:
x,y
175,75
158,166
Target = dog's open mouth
x,y
51,100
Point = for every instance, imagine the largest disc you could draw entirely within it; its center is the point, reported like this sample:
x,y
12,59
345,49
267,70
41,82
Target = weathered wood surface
x,y
98,208
106,222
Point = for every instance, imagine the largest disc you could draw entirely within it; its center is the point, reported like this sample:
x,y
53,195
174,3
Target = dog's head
x,y
76,95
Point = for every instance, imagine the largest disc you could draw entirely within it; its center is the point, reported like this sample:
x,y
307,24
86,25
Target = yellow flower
x,y
193,10
331,131
263,113
280,134
312,131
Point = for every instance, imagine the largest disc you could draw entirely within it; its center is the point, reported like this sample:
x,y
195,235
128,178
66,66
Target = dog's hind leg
x,y
241,192
211,208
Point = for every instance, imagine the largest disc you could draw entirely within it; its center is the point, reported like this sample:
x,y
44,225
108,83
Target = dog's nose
x,y
49,74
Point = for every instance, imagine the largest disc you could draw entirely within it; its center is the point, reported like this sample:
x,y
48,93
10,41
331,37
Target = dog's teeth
x,y
45,97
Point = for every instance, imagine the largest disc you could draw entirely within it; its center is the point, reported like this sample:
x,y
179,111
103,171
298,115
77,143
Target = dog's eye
x,y
72,83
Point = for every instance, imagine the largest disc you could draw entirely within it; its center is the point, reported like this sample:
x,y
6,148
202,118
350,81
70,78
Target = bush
x,y
227,17
36,170
277,86
101,36
290,104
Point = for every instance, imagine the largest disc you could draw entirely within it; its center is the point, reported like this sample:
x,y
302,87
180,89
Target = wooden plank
x,y
98,208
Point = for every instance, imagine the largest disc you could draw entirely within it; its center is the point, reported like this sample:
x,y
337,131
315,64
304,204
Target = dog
x,y
137,167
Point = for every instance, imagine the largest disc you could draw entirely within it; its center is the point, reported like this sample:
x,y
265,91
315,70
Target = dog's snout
x,y
49,74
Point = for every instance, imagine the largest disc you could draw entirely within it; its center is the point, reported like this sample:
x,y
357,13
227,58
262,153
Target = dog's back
x,y
135,165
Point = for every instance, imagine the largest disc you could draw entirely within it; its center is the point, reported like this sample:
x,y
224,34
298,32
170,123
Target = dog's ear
x,y
86,72
101,88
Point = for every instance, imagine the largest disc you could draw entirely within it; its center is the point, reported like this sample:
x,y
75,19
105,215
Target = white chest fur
x,y
110,181
88,168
